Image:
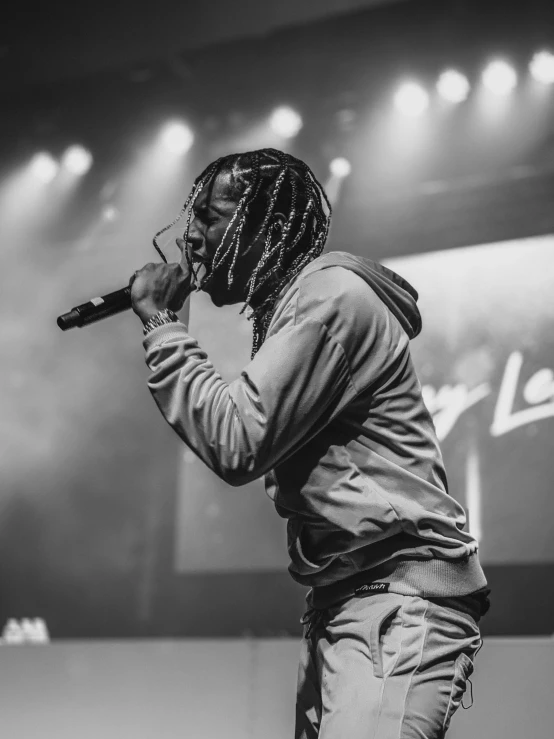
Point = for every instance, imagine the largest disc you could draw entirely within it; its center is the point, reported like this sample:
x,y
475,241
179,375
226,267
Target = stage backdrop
x,y
485,359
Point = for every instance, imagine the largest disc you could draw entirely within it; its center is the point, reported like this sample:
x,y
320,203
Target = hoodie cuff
x,y
162,334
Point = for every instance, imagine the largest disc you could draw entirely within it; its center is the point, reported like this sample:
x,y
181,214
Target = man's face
x,y
212,212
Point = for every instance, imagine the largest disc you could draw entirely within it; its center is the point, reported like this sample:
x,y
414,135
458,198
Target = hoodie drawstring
x,y
469,681
314,617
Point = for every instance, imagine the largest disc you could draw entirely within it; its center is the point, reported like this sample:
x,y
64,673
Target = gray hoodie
x,y
330,411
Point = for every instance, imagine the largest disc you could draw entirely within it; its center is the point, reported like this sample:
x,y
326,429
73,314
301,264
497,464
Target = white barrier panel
x,y
234,689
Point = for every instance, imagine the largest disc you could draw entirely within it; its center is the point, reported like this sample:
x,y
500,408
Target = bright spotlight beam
x,y
177,138
411,99
340,167
453,86
500,78
285,122
542,67
44,167
77,160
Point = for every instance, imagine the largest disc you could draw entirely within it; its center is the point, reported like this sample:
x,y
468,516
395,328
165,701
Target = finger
x,y
133,277
185,251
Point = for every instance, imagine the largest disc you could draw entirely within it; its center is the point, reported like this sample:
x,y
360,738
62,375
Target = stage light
x,y
177,138
500,78
542,67
77,160
285,122
411,99
453,86
346,118
44,167
340,167
110,213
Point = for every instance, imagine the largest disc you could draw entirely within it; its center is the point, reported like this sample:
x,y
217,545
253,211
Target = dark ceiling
x,y
42,43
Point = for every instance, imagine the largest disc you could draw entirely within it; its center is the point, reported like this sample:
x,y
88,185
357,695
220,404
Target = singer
x,y
329,410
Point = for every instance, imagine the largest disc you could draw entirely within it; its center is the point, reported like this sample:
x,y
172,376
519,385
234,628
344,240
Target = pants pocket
x,y
463,670
377,629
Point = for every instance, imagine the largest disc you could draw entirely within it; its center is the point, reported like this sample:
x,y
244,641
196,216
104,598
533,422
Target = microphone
x,y
96,309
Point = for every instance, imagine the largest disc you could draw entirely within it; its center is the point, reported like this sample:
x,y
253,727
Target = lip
x,y
200,258
201,261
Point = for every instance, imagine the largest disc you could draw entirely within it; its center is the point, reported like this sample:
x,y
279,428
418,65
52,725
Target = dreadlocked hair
x,y
263,183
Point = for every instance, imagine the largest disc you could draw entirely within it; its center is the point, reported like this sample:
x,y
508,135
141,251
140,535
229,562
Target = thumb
x,y
182,248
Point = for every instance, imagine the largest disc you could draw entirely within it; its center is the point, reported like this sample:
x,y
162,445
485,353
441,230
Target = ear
x,y
279,219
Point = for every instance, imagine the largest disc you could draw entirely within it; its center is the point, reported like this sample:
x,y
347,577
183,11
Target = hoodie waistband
x,y
430,578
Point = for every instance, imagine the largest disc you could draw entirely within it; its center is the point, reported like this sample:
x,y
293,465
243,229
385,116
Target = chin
x,y
217,301
220,297
216,297
220,300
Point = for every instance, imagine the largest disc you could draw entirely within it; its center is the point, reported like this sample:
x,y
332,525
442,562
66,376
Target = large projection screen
x,y
485,359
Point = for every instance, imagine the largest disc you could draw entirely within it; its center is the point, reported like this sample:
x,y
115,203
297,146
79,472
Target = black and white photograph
x,y
277,380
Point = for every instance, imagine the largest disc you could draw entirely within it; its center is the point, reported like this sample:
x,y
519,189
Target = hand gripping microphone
x,y
96,309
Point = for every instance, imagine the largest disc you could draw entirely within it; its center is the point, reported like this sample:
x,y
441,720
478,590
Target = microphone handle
x,y
96,309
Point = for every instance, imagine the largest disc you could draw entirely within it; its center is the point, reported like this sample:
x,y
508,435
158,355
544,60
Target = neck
x,y
265,291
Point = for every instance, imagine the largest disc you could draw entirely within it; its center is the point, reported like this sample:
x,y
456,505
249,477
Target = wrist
x,y
161,318
147,311
145,316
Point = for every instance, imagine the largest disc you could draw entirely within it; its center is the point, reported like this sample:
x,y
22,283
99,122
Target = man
x,y
329,409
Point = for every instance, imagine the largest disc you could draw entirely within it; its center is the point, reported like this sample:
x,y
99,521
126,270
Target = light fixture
x,y
77,160
44,167
340,167
411,99
285,122
453,86
177,138
542,67
500,78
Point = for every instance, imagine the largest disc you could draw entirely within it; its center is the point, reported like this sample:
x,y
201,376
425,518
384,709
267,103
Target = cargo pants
x,y
383,666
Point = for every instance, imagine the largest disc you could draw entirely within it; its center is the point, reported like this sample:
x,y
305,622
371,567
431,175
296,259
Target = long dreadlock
x,y
265,182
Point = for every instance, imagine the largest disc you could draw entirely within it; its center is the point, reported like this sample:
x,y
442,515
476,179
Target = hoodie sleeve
x,y
296,384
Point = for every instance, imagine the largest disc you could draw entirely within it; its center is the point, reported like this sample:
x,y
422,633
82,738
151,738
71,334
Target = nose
x,y
194,238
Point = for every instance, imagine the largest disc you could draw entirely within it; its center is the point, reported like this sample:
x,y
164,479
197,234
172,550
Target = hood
x,y
395,292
